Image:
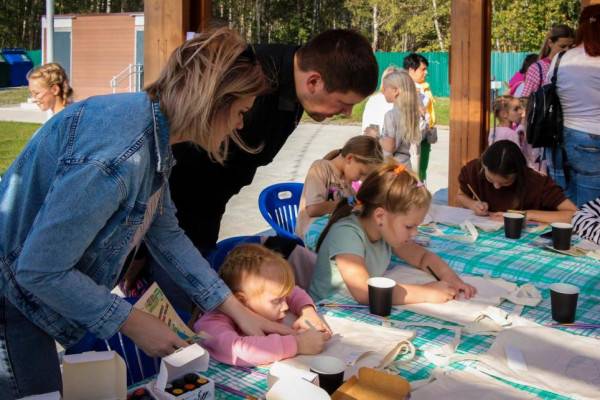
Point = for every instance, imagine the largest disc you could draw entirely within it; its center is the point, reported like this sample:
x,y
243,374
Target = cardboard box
x,y
94,375
285,371
372,384
191,359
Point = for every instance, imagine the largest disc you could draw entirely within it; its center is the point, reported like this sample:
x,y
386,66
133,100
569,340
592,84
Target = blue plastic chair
x,y
139,365
223,248
278,205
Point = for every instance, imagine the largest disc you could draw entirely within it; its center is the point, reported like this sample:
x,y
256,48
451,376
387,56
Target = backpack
x,y
544,114
545,119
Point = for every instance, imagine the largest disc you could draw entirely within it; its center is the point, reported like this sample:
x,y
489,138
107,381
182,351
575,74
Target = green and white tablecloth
x,y
515,260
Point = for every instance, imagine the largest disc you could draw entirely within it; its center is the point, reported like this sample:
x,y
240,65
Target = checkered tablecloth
x,y
492,254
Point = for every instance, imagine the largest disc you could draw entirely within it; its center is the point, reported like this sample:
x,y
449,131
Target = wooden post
x,y
470,58
165,27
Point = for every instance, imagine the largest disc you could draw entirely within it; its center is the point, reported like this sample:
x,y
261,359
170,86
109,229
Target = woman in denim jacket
x,y
89,186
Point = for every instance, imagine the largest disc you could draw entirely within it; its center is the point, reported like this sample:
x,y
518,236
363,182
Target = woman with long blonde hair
x,y
401,124
85,191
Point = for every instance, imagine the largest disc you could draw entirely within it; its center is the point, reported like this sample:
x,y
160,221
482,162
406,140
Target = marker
x,y
433,273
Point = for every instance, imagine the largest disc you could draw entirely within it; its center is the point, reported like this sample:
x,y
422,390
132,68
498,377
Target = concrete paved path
x,y
308,143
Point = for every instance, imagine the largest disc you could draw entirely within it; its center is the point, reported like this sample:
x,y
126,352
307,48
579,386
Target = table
x,y
514,260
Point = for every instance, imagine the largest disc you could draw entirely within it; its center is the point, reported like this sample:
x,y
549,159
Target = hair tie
x,y
399,169
419,184
353,201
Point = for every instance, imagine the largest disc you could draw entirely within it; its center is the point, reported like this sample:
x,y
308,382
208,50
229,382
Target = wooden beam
x,y
165,26
470,58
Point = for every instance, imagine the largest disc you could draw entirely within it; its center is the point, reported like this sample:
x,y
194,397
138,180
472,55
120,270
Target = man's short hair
x,y
414,61
344,59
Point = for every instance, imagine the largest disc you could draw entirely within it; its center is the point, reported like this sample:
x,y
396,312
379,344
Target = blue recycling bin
x,y
4,72
19,65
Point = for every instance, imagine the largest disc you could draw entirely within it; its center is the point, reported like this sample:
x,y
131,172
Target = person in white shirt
x,y
578,88
378,104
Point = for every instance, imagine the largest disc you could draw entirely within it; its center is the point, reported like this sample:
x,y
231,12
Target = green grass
x,y
13,96
442,112
13,137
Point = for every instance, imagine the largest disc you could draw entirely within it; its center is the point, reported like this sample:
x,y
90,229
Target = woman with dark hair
x,y
502,181
578,88
517,82
558,38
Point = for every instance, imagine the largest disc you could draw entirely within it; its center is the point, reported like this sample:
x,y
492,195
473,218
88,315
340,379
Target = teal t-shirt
x,y
346,236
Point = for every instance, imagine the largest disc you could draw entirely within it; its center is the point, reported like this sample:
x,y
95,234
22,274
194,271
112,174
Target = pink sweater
x,y
229,346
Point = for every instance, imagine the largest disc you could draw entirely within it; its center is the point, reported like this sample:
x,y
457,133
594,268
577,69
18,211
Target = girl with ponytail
x,y
362,233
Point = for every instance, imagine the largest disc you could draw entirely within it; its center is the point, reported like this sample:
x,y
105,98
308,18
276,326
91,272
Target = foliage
x,y
417,25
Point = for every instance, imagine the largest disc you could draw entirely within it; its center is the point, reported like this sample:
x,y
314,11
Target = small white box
x,y
191,359
94,375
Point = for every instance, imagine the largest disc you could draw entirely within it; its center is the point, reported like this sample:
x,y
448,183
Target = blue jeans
x,y
583,155
28,358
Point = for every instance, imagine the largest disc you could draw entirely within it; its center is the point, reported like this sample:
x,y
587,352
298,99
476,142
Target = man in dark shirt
x,y
326,77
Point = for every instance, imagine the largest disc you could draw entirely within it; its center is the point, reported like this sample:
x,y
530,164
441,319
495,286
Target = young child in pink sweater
x,y
263,281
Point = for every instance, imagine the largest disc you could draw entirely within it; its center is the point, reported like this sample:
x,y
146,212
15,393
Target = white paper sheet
x,y
455,216
461,311
557,361
358,344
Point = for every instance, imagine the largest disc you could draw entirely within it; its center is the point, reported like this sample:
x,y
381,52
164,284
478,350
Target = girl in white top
x,y
578,87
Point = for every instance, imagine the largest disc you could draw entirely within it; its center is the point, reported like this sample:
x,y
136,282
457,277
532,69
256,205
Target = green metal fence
x,y
504,65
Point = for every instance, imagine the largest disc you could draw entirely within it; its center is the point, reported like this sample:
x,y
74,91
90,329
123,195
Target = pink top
x,y
504,133
228,345
517,136
515,81
533,79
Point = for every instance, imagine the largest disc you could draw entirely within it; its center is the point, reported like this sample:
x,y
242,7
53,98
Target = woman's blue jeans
x,y
583,156
28,359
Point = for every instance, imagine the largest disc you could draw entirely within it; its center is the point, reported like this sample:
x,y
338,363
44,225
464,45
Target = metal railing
x,y
134,73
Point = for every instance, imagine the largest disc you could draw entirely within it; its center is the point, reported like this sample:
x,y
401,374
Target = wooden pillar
x,y
165,25
470,58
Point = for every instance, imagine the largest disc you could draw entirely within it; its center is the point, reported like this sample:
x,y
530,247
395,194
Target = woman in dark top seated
x,y
502,181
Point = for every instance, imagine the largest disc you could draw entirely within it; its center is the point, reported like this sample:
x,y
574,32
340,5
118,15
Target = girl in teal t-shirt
x,y
357,243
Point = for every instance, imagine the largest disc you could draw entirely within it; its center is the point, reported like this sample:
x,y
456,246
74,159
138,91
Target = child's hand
x,y
439,292
460,286
371,131
497,216
481,208
310,314
311,341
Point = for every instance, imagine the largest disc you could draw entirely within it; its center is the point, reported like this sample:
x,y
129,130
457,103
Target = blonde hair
x,y
365,149
202,79
251,259
53,74
387,71
502,103
392,187
406,105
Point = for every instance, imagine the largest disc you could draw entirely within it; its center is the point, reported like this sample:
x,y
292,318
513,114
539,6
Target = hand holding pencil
x,y
480,207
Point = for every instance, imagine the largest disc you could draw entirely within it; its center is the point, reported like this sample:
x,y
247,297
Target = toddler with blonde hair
x,y
264,282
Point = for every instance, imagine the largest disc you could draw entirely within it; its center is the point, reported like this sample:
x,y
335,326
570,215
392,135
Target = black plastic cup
x,y
380,295
561,235
563,298
331,372
513,225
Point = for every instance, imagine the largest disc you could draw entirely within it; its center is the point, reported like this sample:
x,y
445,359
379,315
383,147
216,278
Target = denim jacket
x,y
70,205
